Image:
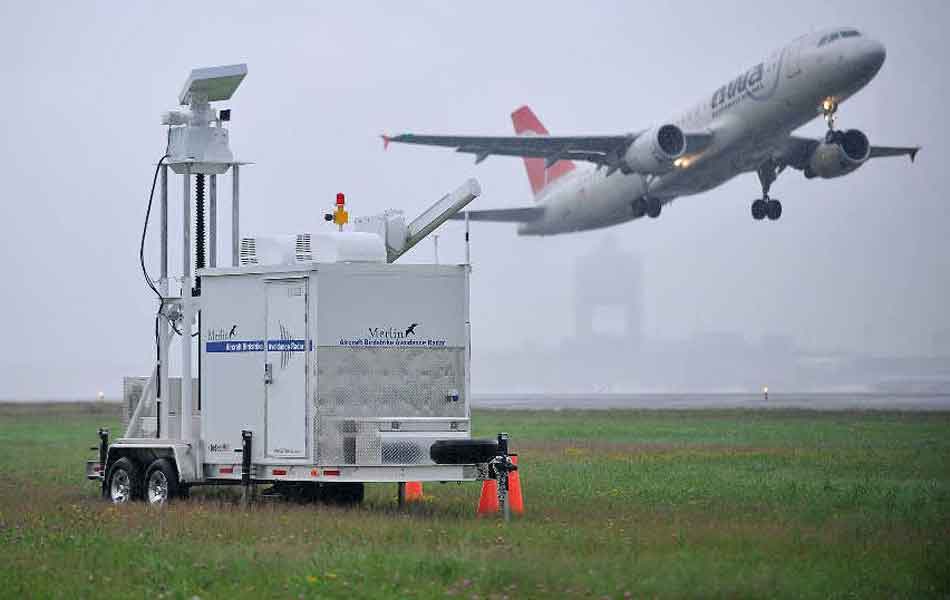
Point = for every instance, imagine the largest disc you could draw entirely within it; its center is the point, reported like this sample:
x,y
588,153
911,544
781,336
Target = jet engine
x,y
839,154
654,151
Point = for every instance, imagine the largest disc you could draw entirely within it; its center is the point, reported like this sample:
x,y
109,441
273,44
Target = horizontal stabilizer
x,y
502,215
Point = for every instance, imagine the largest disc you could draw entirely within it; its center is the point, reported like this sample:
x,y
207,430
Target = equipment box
x,y
335,364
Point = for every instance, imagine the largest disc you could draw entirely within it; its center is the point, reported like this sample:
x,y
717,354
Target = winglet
x,y
386,140
913,153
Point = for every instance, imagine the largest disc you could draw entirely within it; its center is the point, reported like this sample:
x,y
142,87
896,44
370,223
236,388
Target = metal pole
x,y
163,362
235,216
435,246
164,226
186,310
468,255
213,223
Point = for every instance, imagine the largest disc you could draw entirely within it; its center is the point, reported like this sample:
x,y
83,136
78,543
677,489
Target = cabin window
x,y
832,37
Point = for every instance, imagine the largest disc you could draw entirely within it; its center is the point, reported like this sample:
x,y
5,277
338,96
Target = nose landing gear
x,y
765,206
829,107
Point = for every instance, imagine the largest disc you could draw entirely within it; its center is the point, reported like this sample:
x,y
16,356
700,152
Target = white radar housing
x,y
197,141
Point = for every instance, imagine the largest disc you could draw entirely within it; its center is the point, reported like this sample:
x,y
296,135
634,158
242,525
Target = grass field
x,y
619,504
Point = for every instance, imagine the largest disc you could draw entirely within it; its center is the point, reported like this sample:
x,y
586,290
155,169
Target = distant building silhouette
x,y
608,282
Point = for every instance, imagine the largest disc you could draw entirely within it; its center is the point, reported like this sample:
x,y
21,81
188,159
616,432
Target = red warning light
x,y
340,199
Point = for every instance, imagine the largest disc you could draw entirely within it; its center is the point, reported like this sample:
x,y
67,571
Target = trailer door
x,y
285,368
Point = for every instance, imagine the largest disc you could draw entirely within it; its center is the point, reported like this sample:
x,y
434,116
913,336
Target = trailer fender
x,y
178,454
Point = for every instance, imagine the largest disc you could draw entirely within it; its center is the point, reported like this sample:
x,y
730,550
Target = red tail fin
x,y
526,123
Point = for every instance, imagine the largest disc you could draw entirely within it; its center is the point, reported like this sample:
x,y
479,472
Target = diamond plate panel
x,y
390,382
354,384
405,452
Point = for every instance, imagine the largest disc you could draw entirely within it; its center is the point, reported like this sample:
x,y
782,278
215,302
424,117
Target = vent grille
x,y
304,250
249,252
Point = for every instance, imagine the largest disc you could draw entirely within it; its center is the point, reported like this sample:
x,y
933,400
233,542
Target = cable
x,y
148,213
148,279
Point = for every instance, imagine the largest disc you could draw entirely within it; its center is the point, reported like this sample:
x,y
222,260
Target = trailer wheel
x,y
463,452
342,493
124,481
161,482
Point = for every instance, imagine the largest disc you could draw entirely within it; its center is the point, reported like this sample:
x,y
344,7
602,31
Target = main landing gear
x,y
650,207
766,206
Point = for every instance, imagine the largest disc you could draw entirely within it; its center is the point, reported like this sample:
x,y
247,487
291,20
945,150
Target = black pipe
x,y
199,230
103,453
246,457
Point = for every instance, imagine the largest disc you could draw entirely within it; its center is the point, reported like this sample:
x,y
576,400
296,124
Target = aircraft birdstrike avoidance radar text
x,y
743,126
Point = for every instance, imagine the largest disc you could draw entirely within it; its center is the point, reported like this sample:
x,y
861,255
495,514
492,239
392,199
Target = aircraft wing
x,y
798,150
502,215
593,148
884,151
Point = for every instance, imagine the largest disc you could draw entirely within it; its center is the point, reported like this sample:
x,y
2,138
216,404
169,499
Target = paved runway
x,y
831,401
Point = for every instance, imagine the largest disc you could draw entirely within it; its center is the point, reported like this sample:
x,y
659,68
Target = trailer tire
x,y
161,482
463,452
343,494
124,481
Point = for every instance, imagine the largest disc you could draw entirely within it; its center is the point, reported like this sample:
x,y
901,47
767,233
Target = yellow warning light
x,y
340,216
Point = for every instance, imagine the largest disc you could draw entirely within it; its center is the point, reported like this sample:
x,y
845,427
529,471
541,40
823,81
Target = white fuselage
x,y
749,124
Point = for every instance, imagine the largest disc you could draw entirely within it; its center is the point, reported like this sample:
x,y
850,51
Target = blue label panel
x,y
257,346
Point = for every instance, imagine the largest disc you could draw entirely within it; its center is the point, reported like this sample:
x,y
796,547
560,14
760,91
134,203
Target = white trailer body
x,y
318,360
347,371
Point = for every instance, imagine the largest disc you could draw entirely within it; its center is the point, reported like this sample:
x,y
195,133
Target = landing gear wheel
x,y
124,482
344,494
653,207
161,482
773,208
768,172
639,207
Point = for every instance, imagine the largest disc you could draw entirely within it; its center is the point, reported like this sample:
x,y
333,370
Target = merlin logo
x,y
400,337
221,333
391,333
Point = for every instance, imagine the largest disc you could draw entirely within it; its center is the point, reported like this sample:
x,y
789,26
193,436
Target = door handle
x,y
268,373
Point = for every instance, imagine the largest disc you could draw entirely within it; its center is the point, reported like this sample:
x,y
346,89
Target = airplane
x,y
743,126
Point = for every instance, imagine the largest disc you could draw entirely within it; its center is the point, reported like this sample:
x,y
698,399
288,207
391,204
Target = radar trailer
x,y
312,362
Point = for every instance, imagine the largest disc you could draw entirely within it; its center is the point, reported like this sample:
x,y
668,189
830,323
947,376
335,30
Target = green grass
x,y
666,504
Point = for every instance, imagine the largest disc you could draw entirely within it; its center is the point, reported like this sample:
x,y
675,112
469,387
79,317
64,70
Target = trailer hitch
x,y
498,469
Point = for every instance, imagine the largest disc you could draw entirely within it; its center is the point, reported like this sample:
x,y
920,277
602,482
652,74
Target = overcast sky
x,y
861,263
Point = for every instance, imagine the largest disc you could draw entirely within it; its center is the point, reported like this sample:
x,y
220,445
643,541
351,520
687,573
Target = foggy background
x,y
849,289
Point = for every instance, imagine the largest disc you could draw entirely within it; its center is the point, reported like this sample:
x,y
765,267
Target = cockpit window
x,y
844,33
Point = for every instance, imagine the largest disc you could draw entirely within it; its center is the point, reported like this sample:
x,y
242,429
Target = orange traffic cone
x,y
515,501
413,491
488,503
